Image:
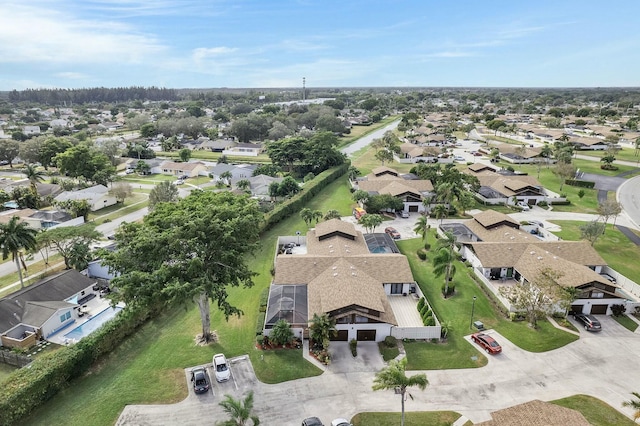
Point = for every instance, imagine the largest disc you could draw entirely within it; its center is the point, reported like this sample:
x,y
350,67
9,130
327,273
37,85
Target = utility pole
x,y
304,90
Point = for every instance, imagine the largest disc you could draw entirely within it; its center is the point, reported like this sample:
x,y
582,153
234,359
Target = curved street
x,y
628,195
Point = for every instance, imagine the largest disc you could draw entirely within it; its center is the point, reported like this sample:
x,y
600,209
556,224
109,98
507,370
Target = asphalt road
x,y
628,195
367,139
602,365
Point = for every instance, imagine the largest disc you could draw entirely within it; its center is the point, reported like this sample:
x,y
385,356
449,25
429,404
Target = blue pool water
x,y
380,249
93,324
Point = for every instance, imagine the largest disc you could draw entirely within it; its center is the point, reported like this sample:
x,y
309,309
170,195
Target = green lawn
x,y
358,131
5,370
596,412
457,352
625,154
419,418
117,208
614,247
148,179
626,322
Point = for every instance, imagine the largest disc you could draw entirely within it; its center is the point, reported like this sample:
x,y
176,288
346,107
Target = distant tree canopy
x,y
94,94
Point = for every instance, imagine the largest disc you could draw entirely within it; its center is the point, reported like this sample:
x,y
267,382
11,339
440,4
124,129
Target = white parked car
x,y
221,368
340,422
524,206
459,158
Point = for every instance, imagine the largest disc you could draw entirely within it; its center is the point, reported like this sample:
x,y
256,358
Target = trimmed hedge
x,y
28,388
580,183
294,204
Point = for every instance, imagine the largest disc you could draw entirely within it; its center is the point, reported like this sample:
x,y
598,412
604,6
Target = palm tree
x,y
15,236
332,214
317,215
635,404
243,184
440,212
321,330
226,177
422,226
443,260
393,377
239,411
307,215
34,175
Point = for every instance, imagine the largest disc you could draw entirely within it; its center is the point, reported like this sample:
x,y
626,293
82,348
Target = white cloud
x,y
33,33
203,53
71,75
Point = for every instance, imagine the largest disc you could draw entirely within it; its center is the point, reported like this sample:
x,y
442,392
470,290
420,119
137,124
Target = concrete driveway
x,y
602,365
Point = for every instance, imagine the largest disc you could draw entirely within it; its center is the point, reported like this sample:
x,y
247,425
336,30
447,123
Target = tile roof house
x,y
536,413
259,185
335,272
42,309
98,196
385,180
244,149
504,255
497,187
174,168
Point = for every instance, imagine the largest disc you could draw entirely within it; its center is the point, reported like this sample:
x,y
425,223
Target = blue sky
x,y
274,43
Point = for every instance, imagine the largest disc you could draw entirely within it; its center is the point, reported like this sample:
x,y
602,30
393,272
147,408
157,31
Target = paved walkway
x,y
598,364
629,234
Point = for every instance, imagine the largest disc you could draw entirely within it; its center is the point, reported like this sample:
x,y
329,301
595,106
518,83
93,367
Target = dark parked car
x,y
200,380
487,342
312,421
589,322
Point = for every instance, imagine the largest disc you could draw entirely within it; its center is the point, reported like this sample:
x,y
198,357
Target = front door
x,y
396,288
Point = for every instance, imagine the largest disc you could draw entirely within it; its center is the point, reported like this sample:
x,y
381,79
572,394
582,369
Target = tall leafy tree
x,y
164,192
239,411
67,239
76,207
189,251
9,150
370,222
332,214
14,237
82,161
440,211
121,190
52,147
394,377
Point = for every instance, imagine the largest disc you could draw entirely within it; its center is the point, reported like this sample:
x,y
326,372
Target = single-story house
x,y
359,281
98,196
218,145
42,309
500,188
259,185
504,255
191,169
535,413
40,219
244,149
153,163
517,154
238,171
593,144
31,130
385,180
412,153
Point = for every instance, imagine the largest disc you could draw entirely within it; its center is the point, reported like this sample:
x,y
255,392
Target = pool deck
x,y
93,307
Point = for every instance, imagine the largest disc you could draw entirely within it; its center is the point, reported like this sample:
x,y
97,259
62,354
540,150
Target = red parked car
x,y
487,342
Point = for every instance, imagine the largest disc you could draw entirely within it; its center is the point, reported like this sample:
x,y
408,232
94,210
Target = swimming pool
x,y
380,249
93,324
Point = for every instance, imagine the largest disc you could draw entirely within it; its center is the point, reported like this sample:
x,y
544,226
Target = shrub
x,y
260,323
451,289
264,298
430,322
424,309
390,342
260,339
581,193
422,255
427,246
281,333
617,310
420,303
353,345
309,177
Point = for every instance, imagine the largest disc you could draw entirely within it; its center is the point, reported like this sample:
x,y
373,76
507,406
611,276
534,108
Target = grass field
x,y
626,322
420,418
614,247
597,412
625,154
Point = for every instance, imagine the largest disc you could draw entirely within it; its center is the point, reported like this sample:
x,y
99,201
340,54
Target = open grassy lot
x,y
615,248
457,352
597,412
419,418
359,131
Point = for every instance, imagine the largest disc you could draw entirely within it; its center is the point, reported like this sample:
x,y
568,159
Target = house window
x,y
597,295
360,319
67,315
63,317
396,288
